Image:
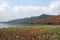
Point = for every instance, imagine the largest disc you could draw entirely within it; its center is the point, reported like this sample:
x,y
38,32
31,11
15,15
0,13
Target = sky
x,y
17,9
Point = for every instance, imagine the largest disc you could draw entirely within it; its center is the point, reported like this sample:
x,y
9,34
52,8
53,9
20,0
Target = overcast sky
x,y
15,9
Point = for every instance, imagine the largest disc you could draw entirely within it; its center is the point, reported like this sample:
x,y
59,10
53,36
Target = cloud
x,y
8,12
26,8
2,6
54,7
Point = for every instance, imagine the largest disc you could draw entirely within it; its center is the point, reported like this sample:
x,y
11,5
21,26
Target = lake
x,y
6,25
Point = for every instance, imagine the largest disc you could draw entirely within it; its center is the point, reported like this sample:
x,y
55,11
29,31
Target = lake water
x,y
6,25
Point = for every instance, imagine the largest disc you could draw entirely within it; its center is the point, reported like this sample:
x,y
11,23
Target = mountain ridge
x,y
29,20
43,19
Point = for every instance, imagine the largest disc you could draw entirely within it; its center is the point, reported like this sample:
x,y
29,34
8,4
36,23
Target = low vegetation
x,y
31,33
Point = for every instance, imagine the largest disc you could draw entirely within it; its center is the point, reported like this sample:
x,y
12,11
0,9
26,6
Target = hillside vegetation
x,y
50,20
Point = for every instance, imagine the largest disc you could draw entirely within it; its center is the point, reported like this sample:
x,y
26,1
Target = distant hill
x,y
51,20
30,20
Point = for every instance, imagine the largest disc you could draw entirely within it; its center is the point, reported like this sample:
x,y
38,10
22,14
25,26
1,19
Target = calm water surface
x,y
6,25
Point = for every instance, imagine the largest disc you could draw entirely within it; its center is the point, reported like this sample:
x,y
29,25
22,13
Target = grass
x,y
31,33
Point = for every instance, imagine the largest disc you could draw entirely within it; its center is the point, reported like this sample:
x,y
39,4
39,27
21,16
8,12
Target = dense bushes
x,y
30,33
